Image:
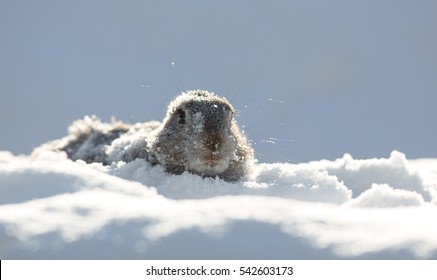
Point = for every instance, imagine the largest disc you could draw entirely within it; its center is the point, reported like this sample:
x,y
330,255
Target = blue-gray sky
x,y
324,77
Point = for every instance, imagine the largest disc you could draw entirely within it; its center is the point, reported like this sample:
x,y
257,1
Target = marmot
x,y
199,134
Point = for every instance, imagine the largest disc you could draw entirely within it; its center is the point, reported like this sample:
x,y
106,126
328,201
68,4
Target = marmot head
x,y
200,135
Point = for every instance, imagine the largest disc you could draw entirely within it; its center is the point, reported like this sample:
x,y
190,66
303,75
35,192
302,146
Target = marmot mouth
x,y
210,164
212,159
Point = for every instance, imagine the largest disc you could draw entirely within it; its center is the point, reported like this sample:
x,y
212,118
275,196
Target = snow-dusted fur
x,y
91,140
199,134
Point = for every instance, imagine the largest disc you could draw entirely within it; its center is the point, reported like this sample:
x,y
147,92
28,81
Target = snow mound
x,y
53,207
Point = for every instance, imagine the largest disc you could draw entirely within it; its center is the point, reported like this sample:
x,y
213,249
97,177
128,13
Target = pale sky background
x,y
324,77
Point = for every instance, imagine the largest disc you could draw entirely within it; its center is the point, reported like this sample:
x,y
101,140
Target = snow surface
x,y
52,207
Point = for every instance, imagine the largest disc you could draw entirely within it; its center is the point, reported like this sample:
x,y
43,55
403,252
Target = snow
x,y
53,207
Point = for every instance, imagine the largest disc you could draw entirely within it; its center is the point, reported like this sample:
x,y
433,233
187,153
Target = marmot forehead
x,y
198,99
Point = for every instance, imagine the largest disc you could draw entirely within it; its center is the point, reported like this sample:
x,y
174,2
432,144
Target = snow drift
x,y
53,207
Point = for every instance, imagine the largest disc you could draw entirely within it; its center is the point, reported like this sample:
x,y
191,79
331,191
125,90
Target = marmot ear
x,y
232,115
181,116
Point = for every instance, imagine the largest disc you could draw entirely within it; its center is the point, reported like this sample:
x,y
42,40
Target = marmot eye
x,y
181,116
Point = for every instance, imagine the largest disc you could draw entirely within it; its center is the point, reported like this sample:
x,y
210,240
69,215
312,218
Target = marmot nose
x,y
213,142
